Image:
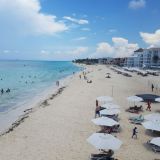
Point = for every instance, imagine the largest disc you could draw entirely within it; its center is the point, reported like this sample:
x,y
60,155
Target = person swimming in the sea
x,y
8,90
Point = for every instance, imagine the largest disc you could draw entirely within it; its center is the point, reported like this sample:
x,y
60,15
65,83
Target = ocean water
x,y
28,79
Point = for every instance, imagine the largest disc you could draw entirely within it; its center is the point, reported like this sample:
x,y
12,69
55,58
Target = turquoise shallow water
x,y
27,79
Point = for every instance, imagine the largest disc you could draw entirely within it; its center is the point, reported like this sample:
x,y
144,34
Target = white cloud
x,y
112,30
152,39
136,4
64,54
120,48
103,48
44,52
73,53
6,51
25,16
80,38
119,41
85,29
78,51
78,21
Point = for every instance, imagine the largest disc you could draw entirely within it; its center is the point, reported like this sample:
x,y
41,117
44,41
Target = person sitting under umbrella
x,y
109,152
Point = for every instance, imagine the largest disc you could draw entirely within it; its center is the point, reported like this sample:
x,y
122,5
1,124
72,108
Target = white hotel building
x,y
144,58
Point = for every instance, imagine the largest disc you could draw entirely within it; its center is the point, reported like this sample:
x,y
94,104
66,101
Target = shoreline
x,y
19,114
28,111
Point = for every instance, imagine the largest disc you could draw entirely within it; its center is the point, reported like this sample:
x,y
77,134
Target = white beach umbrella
x,y
134,99
104,121
152,117
109,111
104,99
110,106
155,141
104,141
155,126
157,99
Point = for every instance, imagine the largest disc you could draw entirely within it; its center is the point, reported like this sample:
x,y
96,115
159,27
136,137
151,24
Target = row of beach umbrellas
x,y
105,100
102,140
153,124
139,99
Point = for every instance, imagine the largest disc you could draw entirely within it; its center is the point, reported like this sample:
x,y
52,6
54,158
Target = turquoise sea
x,y
27,79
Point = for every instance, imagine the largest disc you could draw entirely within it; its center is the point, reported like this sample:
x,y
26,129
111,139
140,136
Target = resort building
x,y
138,58
130,61
105,60
151,58
144,58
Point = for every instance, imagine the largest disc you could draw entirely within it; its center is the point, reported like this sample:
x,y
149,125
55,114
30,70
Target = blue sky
x,y
70,29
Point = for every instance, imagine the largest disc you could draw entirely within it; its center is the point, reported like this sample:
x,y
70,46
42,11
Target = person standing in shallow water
x,y
57,83
2,91
8,90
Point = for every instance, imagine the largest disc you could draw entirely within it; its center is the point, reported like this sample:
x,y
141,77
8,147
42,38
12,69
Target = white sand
x,y
59,131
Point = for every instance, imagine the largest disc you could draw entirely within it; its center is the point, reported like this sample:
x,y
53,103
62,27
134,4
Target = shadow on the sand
x,y
152,133
148,148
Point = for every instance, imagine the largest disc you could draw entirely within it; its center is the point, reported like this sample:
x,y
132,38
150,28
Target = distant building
x,y
118,61
105,60
130,61
141,58
138,58
151,58
144,58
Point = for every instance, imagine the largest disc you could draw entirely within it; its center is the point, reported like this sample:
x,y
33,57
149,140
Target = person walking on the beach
x,y
80,76
97,110
148,106
134,132
152,87
85,78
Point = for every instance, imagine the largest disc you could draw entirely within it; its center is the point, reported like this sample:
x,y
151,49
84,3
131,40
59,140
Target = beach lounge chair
x,y
114,129
89,81
135,109
101,108
102,156
137,120
154,147
108,76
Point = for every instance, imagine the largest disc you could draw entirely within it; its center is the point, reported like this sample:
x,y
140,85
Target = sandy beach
x,y
58,131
